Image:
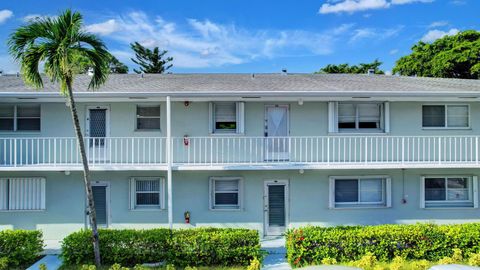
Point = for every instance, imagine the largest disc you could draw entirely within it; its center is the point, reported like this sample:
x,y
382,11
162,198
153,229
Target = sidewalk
x,y
276,258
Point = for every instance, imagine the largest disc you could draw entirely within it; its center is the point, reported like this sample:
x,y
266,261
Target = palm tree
x,y
55,42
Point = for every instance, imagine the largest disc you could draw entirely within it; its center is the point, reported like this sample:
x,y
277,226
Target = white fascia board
x,y
247,96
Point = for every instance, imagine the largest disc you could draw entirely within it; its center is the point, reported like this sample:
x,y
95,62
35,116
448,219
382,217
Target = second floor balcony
x,y
215,152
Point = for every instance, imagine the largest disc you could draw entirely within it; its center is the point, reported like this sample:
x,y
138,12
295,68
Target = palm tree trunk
x,y
86,174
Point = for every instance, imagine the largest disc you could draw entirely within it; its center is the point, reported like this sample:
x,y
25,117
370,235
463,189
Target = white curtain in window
x,y
368,112
226,185
371,190
457,115
277,122
26,194
346,113
225,112
3,194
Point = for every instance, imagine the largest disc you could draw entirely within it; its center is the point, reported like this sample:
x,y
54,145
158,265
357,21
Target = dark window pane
x,y
346,125
7,110
28,124
226,125
435,189
6,124
28,111
147,185
368,125
346,190
226,198
148,123
433,116
457,182
98,127
148,111
148,199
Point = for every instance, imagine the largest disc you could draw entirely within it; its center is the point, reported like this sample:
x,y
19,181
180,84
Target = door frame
x,y
105,184
107,119
265,128
285,156
266,184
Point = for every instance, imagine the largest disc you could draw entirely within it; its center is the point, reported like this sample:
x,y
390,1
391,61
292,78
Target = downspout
x,y
169,163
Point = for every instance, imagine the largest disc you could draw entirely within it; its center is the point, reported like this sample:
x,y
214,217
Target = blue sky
x,y
256,36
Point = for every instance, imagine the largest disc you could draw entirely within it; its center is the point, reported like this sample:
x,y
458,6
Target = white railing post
x,y
169,163
439,150
476,150
403,150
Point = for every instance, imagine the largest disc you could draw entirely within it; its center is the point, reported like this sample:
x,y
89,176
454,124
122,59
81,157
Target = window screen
x,y
148,117
225,117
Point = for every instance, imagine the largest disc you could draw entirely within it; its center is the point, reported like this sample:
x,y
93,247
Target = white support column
x,y
169,163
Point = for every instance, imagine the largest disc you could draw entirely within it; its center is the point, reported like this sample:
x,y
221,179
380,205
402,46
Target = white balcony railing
x,y
64,151
326,150
209,151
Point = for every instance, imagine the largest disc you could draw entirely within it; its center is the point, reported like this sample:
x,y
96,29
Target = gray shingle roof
x,y
259,83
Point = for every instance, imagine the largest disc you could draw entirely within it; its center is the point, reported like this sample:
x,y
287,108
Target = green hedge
x,y
20,247
189,247
309,245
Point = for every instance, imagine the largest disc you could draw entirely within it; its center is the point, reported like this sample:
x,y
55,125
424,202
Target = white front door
x,y
276,133
97,130
101,198
275,207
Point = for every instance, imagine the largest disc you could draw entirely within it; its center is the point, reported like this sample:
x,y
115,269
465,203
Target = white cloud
x,y
5,14
105,28
31,17
403,2
433,35
203,43
458,2
394,51
374,34
352,6
438,24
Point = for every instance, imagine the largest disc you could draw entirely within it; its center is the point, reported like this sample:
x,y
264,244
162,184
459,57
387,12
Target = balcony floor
x,y
241,166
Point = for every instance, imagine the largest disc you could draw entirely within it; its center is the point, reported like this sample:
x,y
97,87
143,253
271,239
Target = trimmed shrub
x,y
19,247
125,247
189,247
309,245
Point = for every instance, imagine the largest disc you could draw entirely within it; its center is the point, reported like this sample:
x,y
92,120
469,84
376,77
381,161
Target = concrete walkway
x,y
52,262
276,258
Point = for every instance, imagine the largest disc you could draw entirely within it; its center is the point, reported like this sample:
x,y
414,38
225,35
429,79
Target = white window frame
x,y
473,182
386,193
133,193
213,206
239,118
148,117
446,115
333,118
41,196
15,118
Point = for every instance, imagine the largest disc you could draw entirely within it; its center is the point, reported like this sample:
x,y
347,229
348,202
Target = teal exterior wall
x,y
308,201
309,119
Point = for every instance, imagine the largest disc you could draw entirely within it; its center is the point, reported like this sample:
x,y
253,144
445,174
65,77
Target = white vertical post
x,y
169,163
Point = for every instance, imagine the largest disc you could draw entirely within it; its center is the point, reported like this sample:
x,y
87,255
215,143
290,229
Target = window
x,y
453,191
226,117
225,193
369,191
445,116
147,193
25,117
358,117
22,194
148,117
